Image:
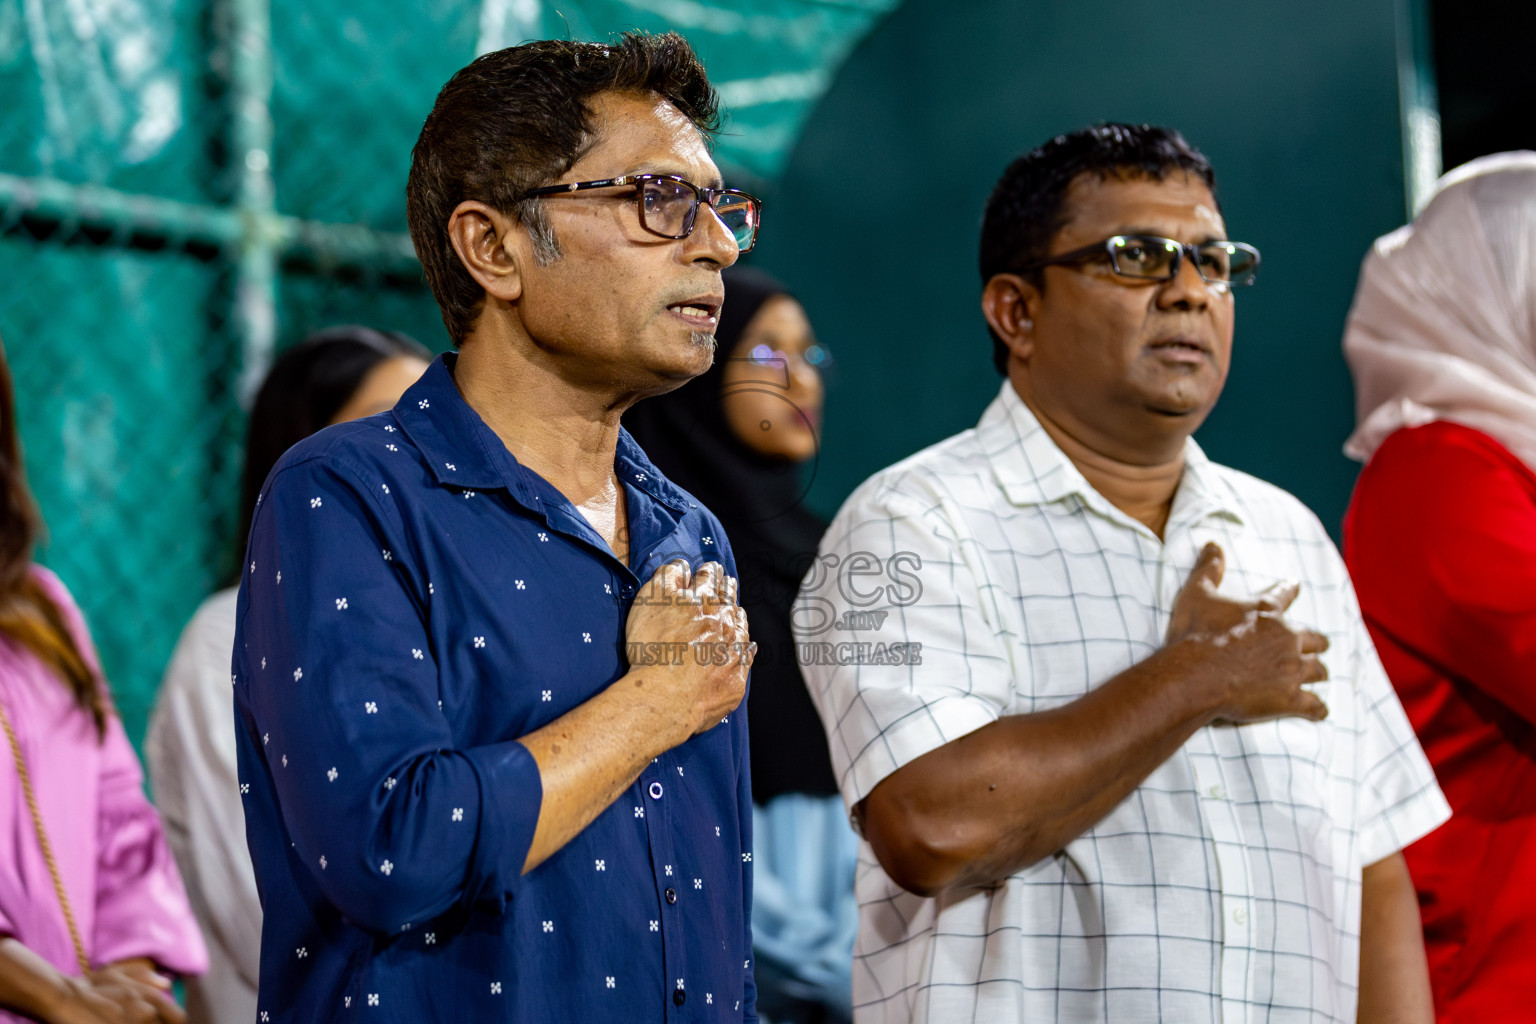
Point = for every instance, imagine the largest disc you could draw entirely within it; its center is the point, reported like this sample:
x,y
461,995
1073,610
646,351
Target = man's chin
x,y
1181,413
676,369
1187,399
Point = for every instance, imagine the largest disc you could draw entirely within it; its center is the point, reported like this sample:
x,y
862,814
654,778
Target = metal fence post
x,y
250,79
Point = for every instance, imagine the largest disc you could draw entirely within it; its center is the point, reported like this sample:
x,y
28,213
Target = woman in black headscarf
x,y
739,438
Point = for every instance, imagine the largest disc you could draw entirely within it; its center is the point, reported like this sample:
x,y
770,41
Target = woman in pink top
x,y
92,911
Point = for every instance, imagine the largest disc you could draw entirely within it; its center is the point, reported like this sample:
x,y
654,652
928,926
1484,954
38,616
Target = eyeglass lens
x,y
816,356
1140,256
670,207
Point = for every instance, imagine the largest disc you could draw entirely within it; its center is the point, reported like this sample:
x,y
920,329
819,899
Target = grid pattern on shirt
x,y
1227,886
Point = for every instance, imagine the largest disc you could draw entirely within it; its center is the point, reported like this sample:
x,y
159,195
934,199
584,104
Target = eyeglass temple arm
x,y
579,186
1075,256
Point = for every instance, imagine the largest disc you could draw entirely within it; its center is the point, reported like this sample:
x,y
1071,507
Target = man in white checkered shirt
x,y
1119,746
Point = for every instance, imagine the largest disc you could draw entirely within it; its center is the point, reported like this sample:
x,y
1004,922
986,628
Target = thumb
x,y
1279,596
1209,568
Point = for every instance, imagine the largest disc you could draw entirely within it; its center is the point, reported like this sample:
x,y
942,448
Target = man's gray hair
x,y
546,247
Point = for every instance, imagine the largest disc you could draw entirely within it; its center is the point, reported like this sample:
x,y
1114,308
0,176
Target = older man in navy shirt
x,y
464,800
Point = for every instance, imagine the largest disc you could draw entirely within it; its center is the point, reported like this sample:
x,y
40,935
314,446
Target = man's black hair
x,y
519,118
1028,205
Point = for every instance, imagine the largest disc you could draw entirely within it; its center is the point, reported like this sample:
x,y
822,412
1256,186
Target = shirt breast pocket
x,y
1295,759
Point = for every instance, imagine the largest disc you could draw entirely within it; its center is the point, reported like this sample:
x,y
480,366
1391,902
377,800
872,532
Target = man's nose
x,y
710,239
1187,290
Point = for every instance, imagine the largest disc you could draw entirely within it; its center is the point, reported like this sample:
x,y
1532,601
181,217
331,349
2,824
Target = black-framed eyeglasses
x,y
669,205
1150,258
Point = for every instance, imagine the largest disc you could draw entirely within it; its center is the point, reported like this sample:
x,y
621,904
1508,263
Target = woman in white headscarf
x,y
1441,540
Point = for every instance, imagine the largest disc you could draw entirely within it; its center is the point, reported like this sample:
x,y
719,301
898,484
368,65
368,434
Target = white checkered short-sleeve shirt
x,y
1227,886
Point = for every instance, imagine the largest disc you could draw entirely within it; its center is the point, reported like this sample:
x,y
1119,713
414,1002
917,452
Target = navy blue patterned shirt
x,y
413,601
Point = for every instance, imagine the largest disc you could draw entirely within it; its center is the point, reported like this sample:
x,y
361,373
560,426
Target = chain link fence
x,y
187,186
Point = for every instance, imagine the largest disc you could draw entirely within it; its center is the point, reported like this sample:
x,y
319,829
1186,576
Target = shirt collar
x,y
462,451
1032,470
637,470
450,434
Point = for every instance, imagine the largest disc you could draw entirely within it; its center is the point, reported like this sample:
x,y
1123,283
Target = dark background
x,y
874,222
1484,60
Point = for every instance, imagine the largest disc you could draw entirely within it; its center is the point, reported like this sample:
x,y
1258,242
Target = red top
x,y
1440,538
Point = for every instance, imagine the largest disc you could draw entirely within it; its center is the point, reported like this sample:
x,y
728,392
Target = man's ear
x,y
1008,302
486,241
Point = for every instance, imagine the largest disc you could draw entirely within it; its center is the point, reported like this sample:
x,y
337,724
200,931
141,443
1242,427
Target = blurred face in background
x,y
381,388
772,392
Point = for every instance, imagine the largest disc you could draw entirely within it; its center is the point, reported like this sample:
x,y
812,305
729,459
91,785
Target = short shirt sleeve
x,y
1400,801
934,668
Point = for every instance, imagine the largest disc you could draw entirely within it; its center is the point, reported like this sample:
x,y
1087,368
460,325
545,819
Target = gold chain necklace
x,y
42,839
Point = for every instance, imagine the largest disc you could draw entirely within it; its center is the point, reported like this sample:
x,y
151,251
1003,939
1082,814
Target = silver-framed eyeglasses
x,y
669,205
1150,258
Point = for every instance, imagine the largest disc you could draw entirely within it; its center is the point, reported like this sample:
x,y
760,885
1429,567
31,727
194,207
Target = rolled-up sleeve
x,y
393,823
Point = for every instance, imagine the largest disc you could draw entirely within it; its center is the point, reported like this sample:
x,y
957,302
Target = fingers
x,y
145,974
708,584
170,1013
1310,705
665,584
1278,597
1313,670
673,577
1311,642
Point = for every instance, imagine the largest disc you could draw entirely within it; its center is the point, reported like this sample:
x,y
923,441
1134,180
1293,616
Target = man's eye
x,y
1215,264
1136,254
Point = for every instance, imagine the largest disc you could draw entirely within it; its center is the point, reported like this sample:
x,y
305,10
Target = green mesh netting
x,y
124,326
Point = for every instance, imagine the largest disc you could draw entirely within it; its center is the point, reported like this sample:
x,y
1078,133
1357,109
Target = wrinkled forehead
x,y
640,133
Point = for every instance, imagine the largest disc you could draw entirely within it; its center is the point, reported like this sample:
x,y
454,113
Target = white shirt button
x,y
655,791
1240,915
1217,792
